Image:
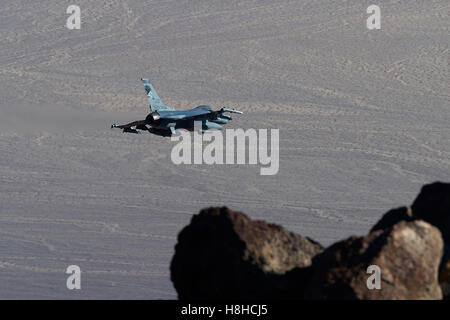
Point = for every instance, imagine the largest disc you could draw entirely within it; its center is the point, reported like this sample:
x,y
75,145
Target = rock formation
x,y
407,254
392,217
223,254
431,205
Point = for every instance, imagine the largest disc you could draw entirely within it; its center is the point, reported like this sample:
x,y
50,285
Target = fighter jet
x,y
164,120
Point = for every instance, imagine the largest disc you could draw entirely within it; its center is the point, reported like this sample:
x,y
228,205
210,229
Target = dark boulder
x,y
444,279
408,255
433,206
224,254
392,217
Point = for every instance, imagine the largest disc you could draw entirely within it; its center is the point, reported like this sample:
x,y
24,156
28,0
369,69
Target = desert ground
x,y
363,117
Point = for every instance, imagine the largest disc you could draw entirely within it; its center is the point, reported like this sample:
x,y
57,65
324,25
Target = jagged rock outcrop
x,y
444,279
225,254
431,205
408,255
222,254
392,217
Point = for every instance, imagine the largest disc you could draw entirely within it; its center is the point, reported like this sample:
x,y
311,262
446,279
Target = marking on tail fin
x,y
155,101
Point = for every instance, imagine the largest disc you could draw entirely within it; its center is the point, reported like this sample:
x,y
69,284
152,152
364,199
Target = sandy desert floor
x,y
363,117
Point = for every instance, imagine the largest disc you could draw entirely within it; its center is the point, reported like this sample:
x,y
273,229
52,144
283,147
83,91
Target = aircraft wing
x,y
155,101
129,125
201,111
132,126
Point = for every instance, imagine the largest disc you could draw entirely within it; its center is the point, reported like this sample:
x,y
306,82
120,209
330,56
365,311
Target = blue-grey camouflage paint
x,y
164,120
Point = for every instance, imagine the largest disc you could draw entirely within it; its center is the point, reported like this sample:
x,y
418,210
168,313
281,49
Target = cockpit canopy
x,y
151,117
205,107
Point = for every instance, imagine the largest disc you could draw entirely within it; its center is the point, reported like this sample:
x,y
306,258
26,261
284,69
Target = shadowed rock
x,y
408,255
392,217
224,254
433,206
444,279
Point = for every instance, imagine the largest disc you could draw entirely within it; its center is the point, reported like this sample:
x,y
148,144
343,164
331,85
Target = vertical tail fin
x,y
153,97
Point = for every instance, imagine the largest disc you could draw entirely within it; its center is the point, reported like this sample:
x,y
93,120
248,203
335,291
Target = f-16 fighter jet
x,y
164,120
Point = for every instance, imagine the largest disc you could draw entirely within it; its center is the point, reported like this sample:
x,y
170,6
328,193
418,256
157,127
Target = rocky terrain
x,y
224,254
